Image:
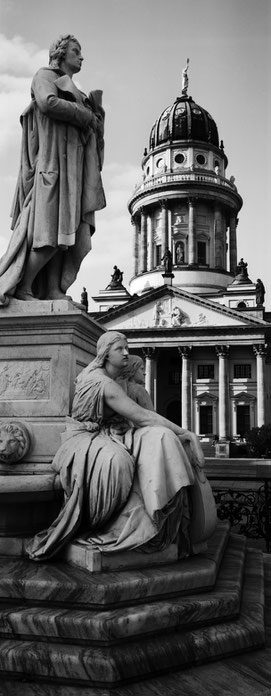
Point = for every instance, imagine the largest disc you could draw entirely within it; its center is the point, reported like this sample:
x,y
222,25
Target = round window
x,y
200,159
160,162
179,158
216,163
148,171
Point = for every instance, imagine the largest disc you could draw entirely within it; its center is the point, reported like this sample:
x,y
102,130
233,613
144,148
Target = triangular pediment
x,y
243,397
172,308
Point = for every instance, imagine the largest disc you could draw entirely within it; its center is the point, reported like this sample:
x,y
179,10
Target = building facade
x,y
193,311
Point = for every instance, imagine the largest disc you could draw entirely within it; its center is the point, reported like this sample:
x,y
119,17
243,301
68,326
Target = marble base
x,y
59,582
189,643
120,623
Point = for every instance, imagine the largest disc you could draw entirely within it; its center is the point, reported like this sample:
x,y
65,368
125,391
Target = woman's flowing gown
x,y
124,487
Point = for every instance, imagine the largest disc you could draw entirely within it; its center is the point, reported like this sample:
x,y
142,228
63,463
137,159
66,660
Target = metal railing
x,y
243,498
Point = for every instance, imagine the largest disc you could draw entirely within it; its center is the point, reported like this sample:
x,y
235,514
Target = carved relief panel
x,y
24,380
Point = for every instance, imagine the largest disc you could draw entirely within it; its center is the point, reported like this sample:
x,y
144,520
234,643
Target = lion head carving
x,y
14,441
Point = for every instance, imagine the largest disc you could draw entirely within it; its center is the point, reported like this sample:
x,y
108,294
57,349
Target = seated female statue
x,y
125,470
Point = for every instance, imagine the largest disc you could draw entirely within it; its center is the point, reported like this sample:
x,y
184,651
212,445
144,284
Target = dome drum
x,y
184,157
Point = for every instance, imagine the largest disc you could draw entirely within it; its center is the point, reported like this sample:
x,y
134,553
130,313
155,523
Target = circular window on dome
x,y
160,162
201,160
180,158
148,171
196,111
216,163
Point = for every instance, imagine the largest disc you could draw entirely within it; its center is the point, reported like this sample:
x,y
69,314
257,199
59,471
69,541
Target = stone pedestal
x,y
44,346
222,449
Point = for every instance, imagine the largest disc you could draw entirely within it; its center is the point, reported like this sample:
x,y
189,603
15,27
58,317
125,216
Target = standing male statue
x,y
59,184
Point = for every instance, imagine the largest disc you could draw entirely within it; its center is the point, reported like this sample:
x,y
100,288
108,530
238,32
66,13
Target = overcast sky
x,y
135,52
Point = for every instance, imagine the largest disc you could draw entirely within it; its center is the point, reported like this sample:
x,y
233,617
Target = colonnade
x,y
223,354
144,233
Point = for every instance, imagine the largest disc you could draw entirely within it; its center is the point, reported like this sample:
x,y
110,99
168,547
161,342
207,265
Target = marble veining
x,y
60,582
83,645
125,622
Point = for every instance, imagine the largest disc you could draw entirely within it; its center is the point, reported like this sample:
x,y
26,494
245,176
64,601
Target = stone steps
x,y
60,624
58,583
145,655
124,623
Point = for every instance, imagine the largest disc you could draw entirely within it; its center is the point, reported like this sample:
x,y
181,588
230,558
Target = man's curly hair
x,y
58,49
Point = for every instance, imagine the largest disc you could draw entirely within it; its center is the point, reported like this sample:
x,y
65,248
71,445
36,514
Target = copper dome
x,y
184,120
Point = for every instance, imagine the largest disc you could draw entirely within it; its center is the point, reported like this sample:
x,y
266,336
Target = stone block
x,y
44,346
84,555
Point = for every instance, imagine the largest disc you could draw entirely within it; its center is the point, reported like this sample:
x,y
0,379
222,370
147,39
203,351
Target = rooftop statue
x,y
185,79
116,278
84,298
59,186
260,292
167,259
128,473
241,270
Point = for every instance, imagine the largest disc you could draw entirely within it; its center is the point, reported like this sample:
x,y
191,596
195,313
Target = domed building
x,y
193,311
185,203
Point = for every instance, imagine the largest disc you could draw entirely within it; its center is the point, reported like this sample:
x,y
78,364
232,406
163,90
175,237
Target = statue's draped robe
x,y
124,487
59,184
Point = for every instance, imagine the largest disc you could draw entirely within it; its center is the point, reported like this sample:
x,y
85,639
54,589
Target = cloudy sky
x,y
135,51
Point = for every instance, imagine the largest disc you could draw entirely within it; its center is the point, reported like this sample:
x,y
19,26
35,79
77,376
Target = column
x,y
223,390
149,243
149,355
185,353
191,232
143,246
234,418
164,225
196,428
233,249
260,352
135,223
219,242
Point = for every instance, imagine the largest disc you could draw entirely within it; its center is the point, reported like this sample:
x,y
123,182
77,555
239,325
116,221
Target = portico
x,y
210,385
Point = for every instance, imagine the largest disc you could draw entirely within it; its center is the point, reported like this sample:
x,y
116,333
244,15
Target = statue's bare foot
x,y
4,300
